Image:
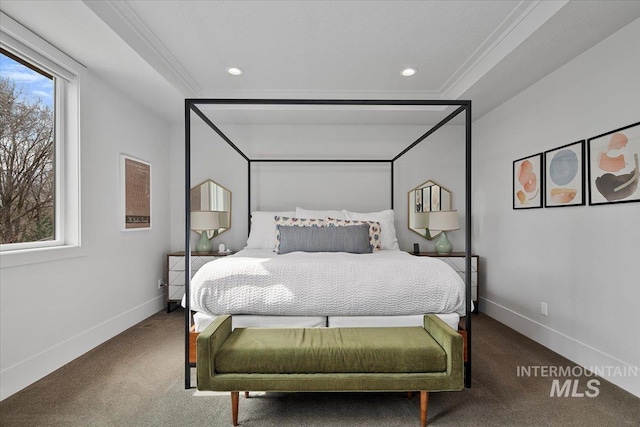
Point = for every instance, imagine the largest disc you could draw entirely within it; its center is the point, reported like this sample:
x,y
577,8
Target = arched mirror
x,y
210,208
427,197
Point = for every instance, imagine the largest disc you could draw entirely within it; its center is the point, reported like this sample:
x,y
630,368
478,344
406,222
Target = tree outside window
x,y
27,152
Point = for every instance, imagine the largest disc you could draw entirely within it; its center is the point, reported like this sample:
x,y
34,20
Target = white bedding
x,y
386,283
451,319
202,320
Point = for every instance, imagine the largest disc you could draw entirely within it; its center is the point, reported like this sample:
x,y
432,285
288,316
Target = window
x,y
40,91
27,152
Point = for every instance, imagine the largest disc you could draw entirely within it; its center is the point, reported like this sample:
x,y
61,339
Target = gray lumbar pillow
x,y
353,239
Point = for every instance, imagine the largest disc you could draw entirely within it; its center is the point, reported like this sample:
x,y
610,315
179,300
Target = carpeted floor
x,y
136,379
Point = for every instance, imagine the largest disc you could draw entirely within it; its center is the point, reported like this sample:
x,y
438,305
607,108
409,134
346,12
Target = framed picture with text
x,y
528,182
135,189
564,176
613,166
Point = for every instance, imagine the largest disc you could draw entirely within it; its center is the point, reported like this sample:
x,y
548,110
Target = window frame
x,y
69,84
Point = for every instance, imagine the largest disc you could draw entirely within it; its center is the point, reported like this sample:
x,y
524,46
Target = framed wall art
x,y
614,168
564,176
528,182
135,183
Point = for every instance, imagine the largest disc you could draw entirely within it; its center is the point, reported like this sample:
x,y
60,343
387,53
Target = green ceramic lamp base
x,y
204,244
443,246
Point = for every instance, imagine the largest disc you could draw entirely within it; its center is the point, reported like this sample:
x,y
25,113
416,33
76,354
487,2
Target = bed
x,y
300,289
335,306
274,282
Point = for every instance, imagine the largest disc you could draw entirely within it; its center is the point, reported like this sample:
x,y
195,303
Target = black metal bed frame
x,y
191,105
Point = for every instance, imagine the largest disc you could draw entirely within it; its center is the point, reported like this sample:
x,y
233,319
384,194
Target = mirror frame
x,y
412,205
215,233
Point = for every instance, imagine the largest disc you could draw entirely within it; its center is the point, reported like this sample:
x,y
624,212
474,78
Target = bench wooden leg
x,y
409,395
246,394
234,407
424,402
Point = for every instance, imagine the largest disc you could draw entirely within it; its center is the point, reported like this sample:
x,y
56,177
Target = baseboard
x,y
28,371
574,350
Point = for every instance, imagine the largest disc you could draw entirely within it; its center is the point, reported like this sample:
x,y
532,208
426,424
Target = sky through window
x,y
35,86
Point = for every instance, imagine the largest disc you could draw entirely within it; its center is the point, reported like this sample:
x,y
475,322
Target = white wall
x,y
581,261
52,312
358,187
214,159
440,158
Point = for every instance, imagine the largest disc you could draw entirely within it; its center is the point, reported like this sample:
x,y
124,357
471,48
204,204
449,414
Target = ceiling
x,y
160,52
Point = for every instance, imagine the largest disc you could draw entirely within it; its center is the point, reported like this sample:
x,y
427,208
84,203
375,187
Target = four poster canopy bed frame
x,y
192,106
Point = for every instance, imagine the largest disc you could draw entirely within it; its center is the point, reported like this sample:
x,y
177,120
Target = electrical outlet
x,y
543,308
160,283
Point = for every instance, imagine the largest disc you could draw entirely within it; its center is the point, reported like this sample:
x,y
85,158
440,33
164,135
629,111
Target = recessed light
x,y
235,71
408,72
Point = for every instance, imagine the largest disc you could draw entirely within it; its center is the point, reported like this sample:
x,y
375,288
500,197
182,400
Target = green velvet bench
x,y
330,359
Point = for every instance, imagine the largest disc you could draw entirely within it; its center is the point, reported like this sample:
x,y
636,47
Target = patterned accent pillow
x,y
296,222
375,241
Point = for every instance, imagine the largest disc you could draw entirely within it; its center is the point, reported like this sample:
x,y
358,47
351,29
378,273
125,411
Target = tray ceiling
x,y
161,52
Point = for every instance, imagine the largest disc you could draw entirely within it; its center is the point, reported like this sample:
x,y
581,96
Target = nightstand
x,y
175,272
457,262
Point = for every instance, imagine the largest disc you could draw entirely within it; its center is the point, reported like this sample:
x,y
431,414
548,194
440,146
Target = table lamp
x,y
444,221
223,221
420,221
202,222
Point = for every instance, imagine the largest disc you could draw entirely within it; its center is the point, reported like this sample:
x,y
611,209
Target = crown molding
x,y
526,18
119,16
522,22
321,94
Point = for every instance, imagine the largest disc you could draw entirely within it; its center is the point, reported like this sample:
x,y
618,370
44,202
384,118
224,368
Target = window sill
x,y
17,258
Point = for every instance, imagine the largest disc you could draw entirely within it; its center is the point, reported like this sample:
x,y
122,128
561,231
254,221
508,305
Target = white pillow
x,y
310,214
387,226
263,229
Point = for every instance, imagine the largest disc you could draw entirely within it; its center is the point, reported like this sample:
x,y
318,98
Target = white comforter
x,y
327,284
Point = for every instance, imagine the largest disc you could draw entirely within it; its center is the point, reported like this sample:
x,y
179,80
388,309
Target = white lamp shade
x,y
420,220
204,220
223,219
443,220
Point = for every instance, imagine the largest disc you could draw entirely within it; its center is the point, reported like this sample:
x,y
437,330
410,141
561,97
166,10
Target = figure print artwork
x,y
614,169
527,182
